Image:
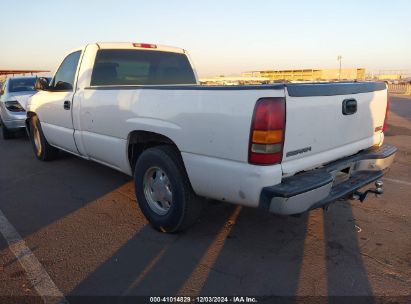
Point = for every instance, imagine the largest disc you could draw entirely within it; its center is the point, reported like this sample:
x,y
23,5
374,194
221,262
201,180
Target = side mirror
x,y
63,86
41,84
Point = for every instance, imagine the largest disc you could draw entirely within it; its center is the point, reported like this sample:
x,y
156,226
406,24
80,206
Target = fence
x,y
404,88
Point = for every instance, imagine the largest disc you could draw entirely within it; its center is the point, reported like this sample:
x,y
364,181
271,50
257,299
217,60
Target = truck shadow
x,y
35,194
346,273
239,251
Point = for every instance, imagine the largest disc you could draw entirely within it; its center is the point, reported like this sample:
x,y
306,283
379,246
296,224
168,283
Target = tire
x,y
160,171
43,150
5,132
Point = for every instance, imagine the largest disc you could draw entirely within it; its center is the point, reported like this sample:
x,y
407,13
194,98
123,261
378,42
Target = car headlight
x,y
14,106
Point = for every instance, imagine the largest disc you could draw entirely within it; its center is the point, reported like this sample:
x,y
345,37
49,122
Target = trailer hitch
x,y
361,196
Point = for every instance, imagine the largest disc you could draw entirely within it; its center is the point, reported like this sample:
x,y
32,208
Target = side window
x,y
64,78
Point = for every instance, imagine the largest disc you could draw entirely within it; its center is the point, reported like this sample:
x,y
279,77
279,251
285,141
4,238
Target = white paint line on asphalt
x,y
398,181
35,272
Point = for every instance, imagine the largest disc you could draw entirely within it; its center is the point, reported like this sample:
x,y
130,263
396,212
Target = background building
x,y
234,80
390,75
309,74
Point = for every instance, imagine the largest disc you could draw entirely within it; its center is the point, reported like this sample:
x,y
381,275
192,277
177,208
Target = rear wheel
x,y
163,190
43,150
5,132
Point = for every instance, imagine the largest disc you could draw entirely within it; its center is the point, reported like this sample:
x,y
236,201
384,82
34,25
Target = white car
x,y
14,94
138,108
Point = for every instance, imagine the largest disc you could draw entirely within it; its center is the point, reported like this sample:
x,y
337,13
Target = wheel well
x,y
29,115
142,140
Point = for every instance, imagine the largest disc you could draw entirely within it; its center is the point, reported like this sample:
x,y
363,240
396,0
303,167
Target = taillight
x,y
267,132
386,113
14,106
145,45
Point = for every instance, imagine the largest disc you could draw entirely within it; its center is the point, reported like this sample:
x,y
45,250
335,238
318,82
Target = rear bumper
x,y
15,124
320,187
13,121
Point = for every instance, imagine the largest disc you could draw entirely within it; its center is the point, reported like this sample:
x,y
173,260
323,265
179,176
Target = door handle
x,y
67,105
349,106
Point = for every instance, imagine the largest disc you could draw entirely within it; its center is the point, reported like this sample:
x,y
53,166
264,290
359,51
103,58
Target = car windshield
x,y
21,84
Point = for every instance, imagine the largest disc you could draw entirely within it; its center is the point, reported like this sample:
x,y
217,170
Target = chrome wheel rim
x,y
37,141
157,190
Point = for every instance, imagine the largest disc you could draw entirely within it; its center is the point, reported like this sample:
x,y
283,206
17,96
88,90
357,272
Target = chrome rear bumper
x,y
318,188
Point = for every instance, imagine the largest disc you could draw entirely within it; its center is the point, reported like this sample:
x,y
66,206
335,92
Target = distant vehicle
x,y
285,148
14,94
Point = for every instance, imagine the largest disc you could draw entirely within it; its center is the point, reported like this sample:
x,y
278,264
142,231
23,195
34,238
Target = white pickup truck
x,y
138,108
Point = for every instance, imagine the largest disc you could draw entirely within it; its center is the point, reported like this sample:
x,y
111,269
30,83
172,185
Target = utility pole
x,y
339,58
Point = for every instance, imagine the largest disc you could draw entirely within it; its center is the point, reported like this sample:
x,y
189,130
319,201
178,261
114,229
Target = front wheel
x,y
43,150
163,190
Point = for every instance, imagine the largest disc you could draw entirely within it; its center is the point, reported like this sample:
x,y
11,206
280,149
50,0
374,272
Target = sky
x,y
223,37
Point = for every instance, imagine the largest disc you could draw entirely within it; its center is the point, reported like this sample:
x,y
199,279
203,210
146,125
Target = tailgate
x,y
319,130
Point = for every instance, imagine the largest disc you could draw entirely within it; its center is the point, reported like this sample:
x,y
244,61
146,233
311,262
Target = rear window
x,y
21,84
137,67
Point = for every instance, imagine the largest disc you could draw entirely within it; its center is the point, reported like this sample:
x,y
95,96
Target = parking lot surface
x,y
81,221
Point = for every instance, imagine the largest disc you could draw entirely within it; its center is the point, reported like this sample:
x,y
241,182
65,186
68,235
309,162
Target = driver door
x,y
55,112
